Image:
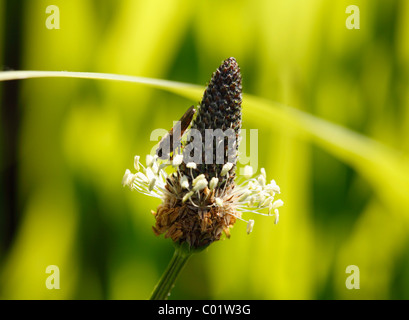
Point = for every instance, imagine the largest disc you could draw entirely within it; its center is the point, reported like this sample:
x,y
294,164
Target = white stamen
x,y
141,177
273,185
149,160
198,178
277,204
261,200
226,168
136,162
184,182
200,185
248,172
191,165
250,225
149,174
244,196
266,202
155,168
213,183
253,195
152,184
127,180
177,160
187,196
261,180
219,202
276,216
270,208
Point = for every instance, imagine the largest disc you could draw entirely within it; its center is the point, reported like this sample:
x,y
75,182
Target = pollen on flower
x,y
201,201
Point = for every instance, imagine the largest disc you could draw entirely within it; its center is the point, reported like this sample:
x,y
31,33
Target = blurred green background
x,y
65,145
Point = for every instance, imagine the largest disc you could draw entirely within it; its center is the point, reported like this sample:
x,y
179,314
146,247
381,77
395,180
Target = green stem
x,y
167,281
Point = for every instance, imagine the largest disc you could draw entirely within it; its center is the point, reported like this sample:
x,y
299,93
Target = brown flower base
x,y
198,227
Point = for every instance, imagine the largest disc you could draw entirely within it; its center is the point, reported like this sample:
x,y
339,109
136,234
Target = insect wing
x,y
167,145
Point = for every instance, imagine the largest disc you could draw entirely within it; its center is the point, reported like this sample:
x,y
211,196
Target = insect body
x,y
168,145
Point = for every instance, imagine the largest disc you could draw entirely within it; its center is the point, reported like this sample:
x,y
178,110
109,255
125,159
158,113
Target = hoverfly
x,y
167,146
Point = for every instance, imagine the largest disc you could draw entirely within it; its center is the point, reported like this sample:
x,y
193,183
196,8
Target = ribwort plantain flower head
x,y
200,197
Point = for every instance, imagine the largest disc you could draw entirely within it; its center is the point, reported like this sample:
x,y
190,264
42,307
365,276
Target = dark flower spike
x,y
220,108
200,199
